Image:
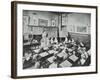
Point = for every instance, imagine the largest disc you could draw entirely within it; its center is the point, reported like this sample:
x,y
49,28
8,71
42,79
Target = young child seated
x,y
27,59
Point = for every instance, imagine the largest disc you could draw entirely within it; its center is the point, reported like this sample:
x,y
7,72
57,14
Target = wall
x,y
74,22
36,15
32,24
5,41
79,20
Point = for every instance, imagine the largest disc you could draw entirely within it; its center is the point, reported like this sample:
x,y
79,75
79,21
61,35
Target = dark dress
x,y
27,63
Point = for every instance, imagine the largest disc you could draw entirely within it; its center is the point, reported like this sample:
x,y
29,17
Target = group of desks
x,y
55,59
47,60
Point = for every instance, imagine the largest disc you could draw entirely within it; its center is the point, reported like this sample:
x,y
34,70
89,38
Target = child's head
x,y
27,54
46,34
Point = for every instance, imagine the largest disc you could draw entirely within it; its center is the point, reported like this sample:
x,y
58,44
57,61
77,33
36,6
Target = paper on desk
x,y
66,63
51,59
53,65
73,58
43,54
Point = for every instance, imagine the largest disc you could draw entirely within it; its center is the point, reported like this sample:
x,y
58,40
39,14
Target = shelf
x,y
43,26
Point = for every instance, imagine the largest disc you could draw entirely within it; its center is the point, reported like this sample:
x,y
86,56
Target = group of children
x,y
66,48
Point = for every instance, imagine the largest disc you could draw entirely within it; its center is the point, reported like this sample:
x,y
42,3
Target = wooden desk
x,y
65,63
37,50
73,58
43,54
53,65
30,45
62,55
51,59
51,51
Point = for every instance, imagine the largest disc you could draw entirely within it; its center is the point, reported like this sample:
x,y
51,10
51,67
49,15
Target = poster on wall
x,y
50,50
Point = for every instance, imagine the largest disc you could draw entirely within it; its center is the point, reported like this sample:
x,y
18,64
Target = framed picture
x,y
46,50
43,22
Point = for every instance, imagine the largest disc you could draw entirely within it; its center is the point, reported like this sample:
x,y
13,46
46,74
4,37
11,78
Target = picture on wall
x,y
53,39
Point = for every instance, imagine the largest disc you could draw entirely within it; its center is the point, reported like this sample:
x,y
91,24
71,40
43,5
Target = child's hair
x,y
53,38
50,38
47,35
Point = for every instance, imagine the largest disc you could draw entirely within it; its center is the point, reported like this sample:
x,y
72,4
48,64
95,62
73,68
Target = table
x,y
63,55
65,63
53,65
51,59
30,45
37,50
43,54
73,58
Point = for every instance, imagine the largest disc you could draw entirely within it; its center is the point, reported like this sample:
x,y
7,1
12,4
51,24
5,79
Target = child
x,y
27,60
